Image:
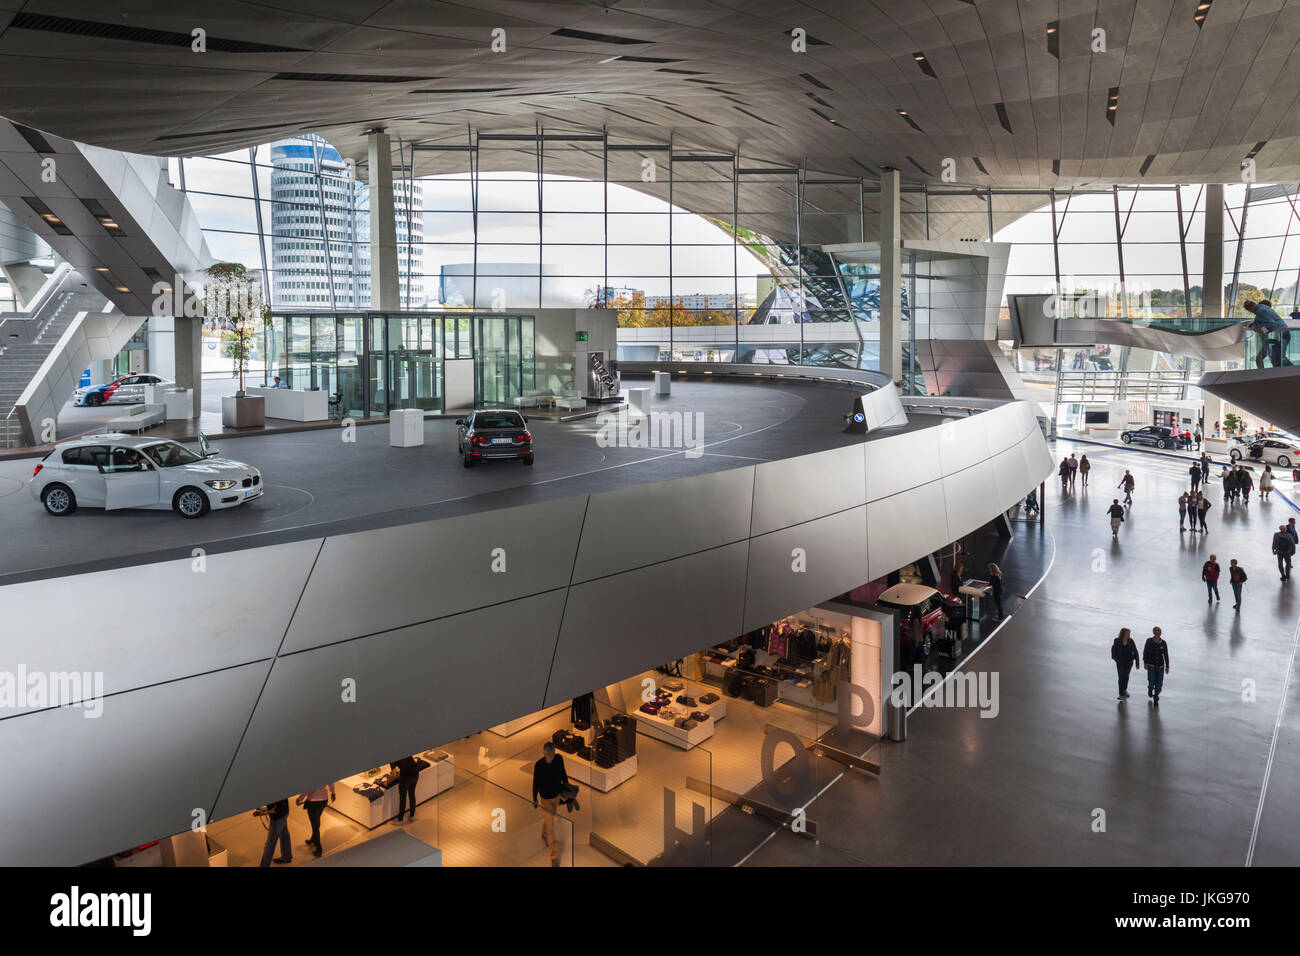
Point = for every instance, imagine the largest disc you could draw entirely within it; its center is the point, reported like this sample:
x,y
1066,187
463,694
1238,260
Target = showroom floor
x,y
316,483
1076,776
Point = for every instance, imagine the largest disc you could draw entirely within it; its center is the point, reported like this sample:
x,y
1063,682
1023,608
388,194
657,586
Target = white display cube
x,y
179,405
663,383
638,402
406,428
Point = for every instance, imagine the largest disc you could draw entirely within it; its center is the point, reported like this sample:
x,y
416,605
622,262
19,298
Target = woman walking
x,y
1265,483
1085,466
1124,652
995,579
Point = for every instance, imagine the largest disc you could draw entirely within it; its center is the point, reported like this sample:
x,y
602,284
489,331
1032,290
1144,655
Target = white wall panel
x,y
968,496
794,490
901,461
904,527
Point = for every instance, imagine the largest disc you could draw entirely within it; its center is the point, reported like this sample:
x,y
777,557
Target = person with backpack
x,y
1210,575
1116,512
1127,483
1124,652
1236,577
1203,509
1155,657
1284,548
1195,472
1183,500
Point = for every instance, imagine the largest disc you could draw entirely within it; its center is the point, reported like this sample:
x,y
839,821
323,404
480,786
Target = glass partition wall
x,y
373,362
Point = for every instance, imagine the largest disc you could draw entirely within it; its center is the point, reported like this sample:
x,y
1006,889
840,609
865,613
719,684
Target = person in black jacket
x,y
549,776
1155,655
1236,577
995,582
1195,472
408,774
1284,548
1203,509
955,578
1127,483
1116,512
1124,652
277,814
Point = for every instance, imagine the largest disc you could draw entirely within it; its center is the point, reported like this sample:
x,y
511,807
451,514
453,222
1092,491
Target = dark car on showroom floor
x,y
491,433
1161,436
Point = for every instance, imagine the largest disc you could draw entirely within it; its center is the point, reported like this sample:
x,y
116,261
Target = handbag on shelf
x,y
686,723
686,701
699,716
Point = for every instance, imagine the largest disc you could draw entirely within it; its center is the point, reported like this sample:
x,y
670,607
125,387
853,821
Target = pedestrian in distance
x,y
1291,530
1116,512
1195,472
315,802
1064,472
1183,500
1074,470
1236,577
1085,466
1203,509
1197,438
1284,548
1127,483
1229,485
1210,575
1265,483
995,582
277,815
1155,656
1245,484
1124,652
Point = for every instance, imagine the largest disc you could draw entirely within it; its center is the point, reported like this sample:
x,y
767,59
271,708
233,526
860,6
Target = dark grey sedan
x,y
494,433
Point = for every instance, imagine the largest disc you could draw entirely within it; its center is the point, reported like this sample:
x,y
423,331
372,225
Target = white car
x,y
1273,450
124,390
130,471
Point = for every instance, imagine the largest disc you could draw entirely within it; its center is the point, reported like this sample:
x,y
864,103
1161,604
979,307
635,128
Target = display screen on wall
x,y
1096,418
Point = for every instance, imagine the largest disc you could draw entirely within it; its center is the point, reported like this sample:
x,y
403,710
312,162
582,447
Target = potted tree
x,y
236,306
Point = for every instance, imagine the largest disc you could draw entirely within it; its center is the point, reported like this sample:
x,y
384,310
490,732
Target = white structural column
x,y
1212,284
891,278
187,352
384,294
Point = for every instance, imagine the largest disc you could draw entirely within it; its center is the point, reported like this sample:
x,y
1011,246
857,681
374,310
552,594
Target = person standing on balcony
x,y
1266,323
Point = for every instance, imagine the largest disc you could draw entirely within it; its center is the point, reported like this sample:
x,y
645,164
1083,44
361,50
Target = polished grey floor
x,y
1209,778
317,483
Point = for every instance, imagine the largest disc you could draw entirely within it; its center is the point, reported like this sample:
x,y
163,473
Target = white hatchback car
x,y
130,471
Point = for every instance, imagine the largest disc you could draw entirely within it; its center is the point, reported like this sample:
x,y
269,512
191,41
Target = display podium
x,y
406,428
638,402
663,383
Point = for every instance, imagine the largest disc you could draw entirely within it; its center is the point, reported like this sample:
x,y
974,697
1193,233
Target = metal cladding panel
x,y
963,442
1011,479
136,773
901,462
625,623
970,497
416,687
378,580
1004,428
1039,463
883,408
903,527
235,611
646,524
834,556
794,490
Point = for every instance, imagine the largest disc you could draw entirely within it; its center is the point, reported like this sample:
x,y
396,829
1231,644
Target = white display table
x,y
434,779
603,779
663,383
179,405
294,405
638,402
406,428
667,731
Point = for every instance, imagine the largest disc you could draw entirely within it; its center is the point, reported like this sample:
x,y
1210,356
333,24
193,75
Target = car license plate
x,y
502,441
253,493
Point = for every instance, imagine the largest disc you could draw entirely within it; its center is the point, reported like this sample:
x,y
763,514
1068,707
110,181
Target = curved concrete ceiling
x,y
1010,102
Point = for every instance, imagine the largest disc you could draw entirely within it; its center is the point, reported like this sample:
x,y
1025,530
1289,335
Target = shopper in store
x,y
1203,509
1155,656
549,777
1195,472
1183,500
1284,548
1085,466
315,802
278,815
1124,652
1265,483
1127,483
1116,512
995,582
1210,575
1236,577
408,775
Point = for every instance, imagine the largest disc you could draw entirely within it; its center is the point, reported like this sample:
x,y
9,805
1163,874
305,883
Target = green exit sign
x,y
582,336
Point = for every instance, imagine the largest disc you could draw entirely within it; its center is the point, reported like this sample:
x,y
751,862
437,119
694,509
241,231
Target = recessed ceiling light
x,y
101,268
609,59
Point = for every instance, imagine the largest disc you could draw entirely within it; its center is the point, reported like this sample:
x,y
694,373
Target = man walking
x,y
1074,470
1155,656
1284,548
1236,577
1195,472
1127,483
315,802
549,776
1116,512
278,816
1245,484
1210,575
